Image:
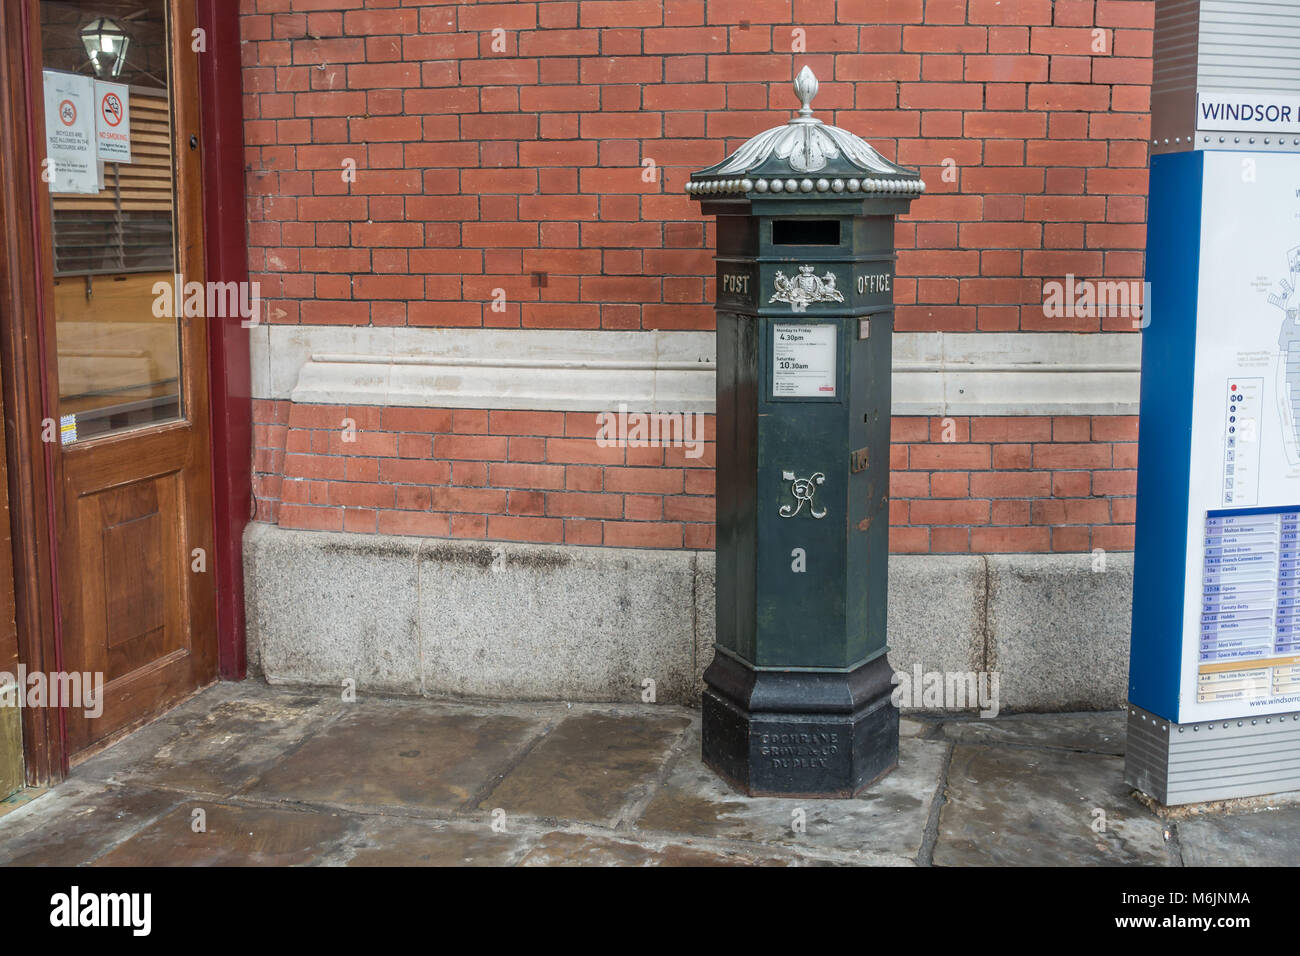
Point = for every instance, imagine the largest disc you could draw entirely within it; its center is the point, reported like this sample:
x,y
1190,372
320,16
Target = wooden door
x,y
126,373
11,738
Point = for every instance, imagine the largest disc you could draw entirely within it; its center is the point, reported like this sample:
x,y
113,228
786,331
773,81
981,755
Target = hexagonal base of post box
x,y
799,733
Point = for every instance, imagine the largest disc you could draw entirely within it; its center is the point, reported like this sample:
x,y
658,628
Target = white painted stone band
x,y
1016,373
935,373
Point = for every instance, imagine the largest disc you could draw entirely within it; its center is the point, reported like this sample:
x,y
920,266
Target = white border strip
x,y
935,373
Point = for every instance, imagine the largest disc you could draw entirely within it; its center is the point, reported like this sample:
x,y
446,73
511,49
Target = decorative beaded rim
x,y
794,186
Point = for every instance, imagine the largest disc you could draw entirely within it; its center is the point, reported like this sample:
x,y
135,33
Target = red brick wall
x,y
471,473
476,170
1013,484
522,170
958,484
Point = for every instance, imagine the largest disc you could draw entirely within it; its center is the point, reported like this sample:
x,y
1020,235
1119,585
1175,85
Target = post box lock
x,y
858,461
803,490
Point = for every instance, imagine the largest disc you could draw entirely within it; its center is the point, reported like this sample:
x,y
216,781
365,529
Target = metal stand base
x,y
806,734
1213,759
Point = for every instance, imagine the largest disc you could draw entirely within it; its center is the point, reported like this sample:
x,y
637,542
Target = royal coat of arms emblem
x,y
805,288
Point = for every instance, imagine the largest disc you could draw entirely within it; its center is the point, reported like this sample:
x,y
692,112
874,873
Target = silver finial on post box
x,y
805,87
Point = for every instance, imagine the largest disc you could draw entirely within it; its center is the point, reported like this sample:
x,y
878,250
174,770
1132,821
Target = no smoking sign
x,y
113,124
111,109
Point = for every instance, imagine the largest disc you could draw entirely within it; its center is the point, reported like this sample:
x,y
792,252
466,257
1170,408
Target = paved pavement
x,y
245,774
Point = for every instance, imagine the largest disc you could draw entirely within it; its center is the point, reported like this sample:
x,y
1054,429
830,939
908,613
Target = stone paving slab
x,y
911,727
143,743
77,821
1102,732
217,752
560,848
1010,806
386,753
231,836
1262,838
302,778
384,841
591,767
885,825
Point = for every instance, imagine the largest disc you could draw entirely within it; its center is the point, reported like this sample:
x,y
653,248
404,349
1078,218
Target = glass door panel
x,y
109,165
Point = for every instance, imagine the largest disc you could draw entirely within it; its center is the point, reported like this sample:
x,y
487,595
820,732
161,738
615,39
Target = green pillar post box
x,y
797,699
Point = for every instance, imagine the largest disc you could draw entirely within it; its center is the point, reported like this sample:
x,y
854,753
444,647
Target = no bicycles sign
x,y
70,133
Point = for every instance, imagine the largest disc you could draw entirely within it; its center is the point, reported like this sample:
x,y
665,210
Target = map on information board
x,y
1241,637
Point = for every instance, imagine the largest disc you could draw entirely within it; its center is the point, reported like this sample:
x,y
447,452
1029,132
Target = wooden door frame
x,y
230,401
25,376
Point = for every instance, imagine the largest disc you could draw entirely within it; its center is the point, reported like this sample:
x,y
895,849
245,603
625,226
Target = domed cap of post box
x,y
804,159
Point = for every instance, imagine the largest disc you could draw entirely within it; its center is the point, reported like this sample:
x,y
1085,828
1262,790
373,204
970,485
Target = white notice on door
x,y
803,361
70,133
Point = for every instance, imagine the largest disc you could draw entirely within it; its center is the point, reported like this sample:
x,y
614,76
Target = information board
x,y
1241,652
